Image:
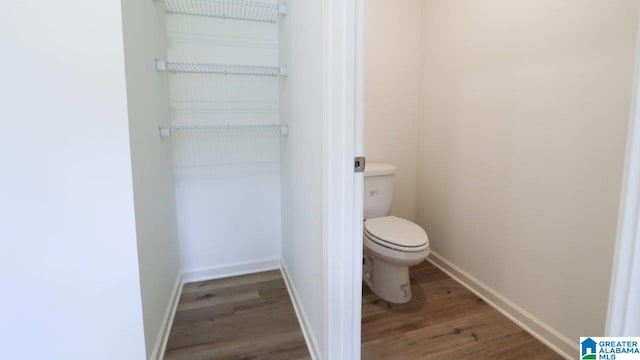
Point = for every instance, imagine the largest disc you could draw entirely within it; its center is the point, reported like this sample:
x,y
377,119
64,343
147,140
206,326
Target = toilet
x,y
391,244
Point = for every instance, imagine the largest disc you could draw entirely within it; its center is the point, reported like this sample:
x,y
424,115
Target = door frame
x,y
343,129
623,316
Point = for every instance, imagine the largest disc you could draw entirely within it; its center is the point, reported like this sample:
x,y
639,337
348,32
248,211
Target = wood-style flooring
x,y
251,317
243,317
443,321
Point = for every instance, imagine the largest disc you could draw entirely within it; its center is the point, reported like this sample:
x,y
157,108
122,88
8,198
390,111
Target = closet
x,y
135,102
224,74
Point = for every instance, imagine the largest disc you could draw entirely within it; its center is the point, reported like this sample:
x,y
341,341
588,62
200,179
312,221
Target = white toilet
x,y
391,244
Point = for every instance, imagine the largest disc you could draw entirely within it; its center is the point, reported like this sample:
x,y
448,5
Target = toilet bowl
x,y
391,244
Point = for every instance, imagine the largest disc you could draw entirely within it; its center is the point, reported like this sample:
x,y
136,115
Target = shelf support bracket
x,y
161,65
165,132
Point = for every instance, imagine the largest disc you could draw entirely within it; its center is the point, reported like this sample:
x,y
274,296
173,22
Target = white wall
x,y
302,169
392,96
522,137
154,195
68,252
228,183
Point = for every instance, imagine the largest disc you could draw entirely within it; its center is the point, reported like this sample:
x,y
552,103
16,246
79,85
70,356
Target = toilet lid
x,y
397,232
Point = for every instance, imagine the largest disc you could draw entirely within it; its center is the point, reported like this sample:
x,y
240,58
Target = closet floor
x,y
242,317
444,320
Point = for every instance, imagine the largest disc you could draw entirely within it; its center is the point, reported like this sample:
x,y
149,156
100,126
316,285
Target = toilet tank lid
x,y
378,169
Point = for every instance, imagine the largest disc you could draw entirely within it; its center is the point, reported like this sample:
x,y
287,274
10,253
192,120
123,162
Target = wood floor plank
x,y
286,345
263,288
246,317
187,317
250,279
207,301
443,321
235,327
437,339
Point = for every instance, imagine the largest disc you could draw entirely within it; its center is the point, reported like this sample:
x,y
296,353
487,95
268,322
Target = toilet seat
x,y
396,233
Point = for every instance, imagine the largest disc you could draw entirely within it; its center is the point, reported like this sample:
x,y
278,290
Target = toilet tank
x,y
378,189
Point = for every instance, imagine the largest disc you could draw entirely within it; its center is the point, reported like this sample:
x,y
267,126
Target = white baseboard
x,y
167,322
219,272
534,326
309,337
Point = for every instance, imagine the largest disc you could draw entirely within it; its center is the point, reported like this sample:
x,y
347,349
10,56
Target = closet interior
x,y
224,73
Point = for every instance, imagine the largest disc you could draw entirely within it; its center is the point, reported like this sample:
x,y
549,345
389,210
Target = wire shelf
x,y
228,9
199,68
165,131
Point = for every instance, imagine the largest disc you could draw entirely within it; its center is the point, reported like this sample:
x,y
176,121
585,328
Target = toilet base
x,y
388,281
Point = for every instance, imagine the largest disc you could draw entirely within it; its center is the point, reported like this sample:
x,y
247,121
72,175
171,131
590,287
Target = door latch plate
x,y
359,163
